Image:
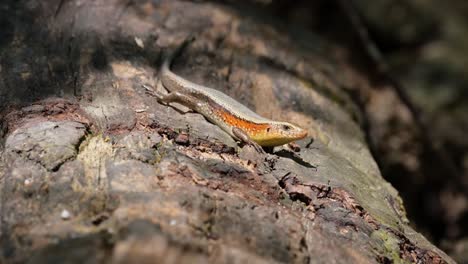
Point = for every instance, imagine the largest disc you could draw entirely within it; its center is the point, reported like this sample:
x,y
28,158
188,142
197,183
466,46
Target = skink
x,y
236,119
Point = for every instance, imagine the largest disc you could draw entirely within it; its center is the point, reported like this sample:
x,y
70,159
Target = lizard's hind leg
x,y
174,97
178,97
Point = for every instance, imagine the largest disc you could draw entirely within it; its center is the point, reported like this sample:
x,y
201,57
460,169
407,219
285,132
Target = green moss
x,y
159,153
390,245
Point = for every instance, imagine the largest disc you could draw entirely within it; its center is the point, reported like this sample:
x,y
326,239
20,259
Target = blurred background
x,y
418,50
414,103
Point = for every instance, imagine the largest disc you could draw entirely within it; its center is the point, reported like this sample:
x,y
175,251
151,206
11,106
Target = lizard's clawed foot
x,y
148,88
257,147
150,91
294,146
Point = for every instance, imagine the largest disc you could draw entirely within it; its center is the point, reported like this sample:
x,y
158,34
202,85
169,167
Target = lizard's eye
x,y
286,127
268,129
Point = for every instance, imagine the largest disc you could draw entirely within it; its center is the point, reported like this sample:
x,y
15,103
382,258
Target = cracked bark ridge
x,y
93,170
44,143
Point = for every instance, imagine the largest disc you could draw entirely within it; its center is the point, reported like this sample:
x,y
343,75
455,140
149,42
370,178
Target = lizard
x,y
237,120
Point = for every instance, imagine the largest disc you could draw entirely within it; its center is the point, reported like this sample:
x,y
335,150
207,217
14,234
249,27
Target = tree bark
x,y
94,170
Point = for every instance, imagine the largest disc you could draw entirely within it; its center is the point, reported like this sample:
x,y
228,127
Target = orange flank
x,y
269,134
250,128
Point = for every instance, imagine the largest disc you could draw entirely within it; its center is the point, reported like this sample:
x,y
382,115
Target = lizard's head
x,y
279,133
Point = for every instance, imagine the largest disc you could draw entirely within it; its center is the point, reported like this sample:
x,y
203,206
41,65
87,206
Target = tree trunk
x,y
94,170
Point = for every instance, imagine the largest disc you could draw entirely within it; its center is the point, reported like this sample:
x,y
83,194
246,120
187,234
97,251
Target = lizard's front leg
x,y
244,137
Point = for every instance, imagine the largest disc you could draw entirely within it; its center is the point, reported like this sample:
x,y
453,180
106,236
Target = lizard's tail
x,y
169,57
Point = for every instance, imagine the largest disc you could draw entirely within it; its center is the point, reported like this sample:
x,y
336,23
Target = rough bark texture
x,y
94,170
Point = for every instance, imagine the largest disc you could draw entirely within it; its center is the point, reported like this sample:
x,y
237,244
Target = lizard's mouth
x,y
302,134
